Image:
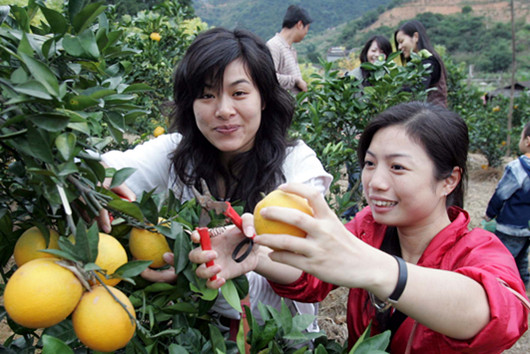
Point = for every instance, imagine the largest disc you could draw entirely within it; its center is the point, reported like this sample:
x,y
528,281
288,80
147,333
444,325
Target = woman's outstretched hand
x,y
223,245
329,251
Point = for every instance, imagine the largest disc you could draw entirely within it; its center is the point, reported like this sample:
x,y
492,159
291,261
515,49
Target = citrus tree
x,y
335,109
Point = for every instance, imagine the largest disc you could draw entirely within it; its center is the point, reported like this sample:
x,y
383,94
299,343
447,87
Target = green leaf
x,y
205,293
217,339
52,345
52,122
230,294
42,73
89,44
86,242
127,208
19,76
176,349
65,143
34,89
374,345
24,46
366,334
240,338
137,88
121,175
84,18
38,146
80,102
181,248
56,21
72,46
158,287
180,307
21,17
132,269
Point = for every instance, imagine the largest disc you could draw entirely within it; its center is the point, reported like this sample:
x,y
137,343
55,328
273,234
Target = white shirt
x,y
154,170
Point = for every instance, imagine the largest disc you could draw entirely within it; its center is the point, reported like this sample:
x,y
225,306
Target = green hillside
x,y
265,17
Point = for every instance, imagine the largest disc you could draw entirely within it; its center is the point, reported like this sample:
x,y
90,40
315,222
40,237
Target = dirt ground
x,y
481,185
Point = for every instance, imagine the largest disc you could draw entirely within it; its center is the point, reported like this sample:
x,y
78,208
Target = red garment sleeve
x,y
307,288
508,316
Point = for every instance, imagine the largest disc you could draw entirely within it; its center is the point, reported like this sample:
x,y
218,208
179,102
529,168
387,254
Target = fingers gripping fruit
x,y
283,199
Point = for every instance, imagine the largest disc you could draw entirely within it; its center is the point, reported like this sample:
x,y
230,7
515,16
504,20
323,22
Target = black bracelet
x,y
402,281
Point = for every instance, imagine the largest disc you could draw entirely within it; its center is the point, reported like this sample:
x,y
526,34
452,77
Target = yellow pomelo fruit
x,y
41,293
111,255
148,246
30,243
282,199
101,323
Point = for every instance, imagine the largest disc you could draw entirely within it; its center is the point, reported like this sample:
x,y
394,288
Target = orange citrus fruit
x,y
282,199
111,255
148,246
41,293
101,323
30,243
158,131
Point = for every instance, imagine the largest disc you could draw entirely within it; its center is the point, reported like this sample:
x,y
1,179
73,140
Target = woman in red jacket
x,y
409,260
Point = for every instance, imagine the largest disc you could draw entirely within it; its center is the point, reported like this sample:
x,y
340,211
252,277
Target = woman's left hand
x,y
329,251
162,276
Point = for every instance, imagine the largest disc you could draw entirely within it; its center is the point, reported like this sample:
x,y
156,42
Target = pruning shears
x,y
207,203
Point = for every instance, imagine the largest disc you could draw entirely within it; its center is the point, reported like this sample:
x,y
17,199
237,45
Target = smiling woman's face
x,y
229,119
406,43
374,52
398,181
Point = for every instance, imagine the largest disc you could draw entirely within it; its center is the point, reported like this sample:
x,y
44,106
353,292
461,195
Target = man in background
x,y
294,28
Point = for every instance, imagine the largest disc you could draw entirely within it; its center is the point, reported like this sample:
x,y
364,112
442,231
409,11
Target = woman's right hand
x,y
223,245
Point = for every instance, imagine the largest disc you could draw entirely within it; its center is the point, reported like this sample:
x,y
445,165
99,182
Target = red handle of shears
x,y
234,216
206,245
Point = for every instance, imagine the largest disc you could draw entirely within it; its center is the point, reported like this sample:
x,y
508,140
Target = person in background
x,y
376,48
510,205
412,37
294,28
229,124
411,263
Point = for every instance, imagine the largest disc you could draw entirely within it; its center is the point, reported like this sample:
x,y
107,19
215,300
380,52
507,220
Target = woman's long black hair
x,y
250,173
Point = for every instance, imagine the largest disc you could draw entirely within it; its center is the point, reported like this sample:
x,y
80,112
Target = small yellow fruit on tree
x,y
30,243
41,293
111,256
158,131
101,323
148,246
282,199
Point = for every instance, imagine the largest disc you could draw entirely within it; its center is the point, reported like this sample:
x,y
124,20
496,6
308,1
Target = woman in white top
x,y
230,119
